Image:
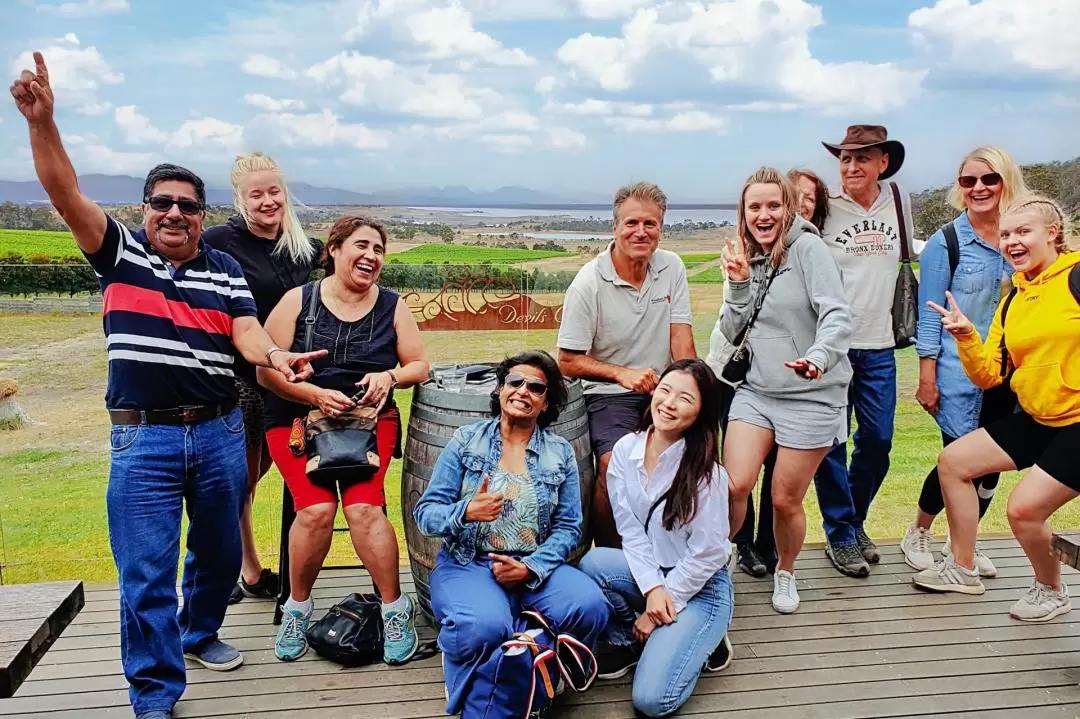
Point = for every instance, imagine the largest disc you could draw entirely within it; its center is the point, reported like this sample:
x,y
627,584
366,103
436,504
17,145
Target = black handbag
x,y
342,447
735,370
351,632
905,309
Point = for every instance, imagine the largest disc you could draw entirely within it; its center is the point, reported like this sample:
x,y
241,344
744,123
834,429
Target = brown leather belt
x,y
175,415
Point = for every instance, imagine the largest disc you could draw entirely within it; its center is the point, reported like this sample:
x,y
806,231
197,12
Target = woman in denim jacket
x,y
988,180
505,498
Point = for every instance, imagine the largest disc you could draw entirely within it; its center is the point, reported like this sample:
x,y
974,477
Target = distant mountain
x,y
123,189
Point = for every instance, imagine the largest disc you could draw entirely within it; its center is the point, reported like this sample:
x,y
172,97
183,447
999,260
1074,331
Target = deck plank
x,y
857,648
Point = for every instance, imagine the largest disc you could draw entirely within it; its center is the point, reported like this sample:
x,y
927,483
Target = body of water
x,y
496,214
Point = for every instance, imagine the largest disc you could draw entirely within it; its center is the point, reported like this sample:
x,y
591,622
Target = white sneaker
x,y
916,547
1041,603
948,576
986,567
785,596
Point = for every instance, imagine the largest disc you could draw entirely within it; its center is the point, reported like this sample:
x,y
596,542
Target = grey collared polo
x,y
611,321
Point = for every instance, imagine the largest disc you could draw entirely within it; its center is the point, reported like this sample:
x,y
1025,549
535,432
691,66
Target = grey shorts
x,y
797,423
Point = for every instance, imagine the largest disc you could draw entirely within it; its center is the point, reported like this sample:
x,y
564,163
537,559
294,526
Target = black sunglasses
x,y
990,179
161,203
535,386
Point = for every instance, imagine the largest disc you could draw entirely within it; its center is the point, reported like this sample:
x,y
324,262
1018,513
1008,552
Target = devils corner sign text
x,y
479,302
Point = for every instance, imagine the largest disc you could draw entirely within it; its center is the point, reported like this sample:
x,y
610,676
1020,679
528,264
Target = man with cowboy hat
x,y
867,218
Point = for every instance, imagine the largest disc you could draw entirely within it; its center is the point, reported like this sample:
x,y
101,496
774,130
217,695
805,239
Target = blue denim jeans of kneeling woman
x,y
674,654
154,471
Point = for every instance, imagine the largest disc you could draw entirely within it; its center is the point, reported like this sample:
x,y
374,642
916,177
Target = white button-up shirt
x,y
694,551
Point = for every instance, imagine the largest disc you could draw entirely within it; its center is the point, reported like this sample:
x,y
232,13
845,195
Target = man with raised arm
x,y
175,310
625,318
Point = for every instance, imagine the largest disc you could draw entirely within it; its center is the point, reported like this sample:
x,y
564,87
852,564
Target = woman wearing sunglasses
x,y
373,345
268,241
963,258
668,587
505,498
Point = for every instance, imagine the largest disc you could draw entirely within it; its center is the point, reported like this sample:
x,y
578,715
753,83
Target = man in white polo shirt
x,y
626,316
867,219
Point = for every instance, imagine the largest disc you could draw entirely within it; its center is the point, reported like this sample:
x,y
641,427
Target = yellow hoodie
x,y
1043,341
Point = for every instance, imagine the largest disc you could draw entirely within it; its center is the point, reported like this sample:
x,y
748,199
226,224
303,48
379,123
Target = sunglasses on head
x,y
535,386
990,179
161,203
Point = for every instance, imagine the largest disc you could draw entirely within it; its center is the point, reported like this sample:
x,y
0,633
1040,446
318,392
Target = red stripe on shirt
x,y
129,298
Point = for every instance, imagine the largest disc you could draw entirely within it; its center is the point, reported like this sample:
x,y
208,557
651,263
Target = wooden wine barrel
x,y
434,416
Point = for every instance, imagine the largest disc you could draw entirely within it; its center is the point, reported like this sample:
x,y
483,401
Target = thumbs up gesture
x,y
952,319
485,506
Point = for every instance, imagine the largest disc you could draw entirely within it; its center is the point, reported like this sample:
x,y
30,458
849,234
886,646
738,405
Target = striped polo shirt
x,y
168,330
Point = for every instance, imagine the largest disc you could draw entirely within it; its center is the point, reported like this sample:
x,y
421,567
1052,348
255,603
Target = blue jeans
x,y
155,470
845,494
674,654
476,615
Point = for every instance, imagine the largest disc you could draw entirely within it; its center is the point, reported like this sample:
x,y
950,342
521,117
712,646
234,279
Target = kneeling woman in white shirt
x,y
668,586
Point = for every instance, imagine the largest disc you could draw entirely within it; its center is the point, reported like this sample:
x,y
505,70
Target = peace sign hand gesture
x,y
736,266
33,94
952,319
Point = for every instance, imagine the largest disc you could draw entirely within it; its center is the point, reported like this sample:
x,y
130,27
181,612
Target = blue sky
x,y
573,96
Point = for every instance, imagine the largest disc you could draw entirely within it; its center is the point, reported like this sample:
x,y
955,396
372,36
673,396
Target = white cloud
x,y
449,33
591,107
208,134
545,85
75,73
689,121
86,8
265,102
505,143
265,66
1065,101
95,108
89,155
563,138
1036,35
764,106
137,128
367,80
762,43
324,129
608,9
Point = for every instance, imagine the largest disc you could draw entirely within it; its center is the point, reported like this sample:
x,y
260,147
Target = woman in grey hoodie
x,y
784,284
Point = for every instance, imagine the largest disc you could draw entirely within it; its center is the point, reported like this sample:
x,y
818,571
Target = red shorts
x,y
305,493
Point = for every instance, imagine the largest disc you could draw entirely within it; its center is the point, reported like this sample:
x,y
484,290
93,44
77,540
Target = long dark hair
x,y
702,453
821,196
556,395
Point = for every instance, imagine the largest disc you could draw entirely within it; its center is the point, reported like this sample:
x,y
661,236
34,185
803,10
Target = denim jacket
x,y
473,452
976,286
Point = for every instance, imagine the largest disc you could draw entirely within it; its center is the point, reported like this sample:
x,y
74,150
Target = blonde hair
x,y
642,192
789,197
1001,162
294,240
1049,212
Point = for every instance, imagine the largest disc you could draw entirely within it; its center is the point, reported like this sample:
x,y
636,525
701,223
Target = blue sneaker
x,y
216,655
291,642
155,714
401,641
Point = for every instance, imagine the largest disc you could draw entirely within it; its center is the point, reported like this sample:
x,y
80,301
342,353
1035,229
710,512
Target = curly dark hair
x,y
557,393
342,230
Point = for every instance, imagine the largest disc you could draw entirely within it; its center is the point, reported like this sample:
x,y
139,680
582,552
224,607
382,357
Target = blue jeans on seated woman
x,y
674,654
476,615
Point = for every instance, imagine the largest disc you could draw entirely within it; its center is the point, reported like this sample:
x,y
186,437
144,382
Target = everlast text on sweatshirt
x,y
805,314
866,246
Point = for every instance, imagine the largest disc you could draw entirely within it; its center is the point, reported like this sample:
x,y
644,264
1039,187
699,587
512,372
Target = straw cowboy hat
x,y
860,137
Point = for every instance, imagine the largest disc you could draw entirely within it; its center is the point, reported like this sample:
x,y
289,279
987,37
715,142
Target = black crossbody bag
x,y
735,371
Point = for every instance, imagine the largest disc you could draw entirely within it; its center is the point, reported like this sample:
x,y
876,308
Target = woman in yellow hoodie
x,y
1033,343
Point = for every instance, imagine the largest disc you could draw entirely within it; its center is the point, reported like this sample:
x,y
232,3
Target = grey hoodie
x,y
805,314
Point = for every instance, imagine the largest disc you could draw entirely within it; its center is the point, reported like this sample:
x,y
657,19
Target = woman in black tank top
x,y
373,345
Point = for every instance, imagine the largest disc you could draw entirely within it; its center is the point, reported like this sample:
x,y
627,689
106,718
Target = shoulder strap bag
x,y
735,369
905,309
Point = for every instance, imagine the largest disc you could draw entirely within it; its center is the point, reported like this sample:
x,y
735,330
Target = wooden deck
x,y
856,648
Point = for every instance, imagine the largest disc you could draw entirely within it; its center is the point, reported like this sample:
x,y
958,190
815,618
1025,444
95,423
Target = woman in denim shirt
x,y
505,498
987,181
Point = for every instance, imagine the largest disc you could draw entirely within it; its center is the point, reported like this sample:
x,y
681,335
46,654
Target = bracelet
x,y
271,350
393,379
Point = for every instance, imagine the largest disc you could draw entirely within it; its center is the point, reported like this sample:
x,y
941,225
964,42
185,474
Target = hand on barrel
x,y
485,506
508,571
952,319
642,381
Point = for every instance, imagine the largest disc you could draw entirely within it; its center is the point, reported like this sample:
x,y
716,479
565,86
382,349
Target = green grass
x,y
54,474
691,258
469,255
711,276
35,243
